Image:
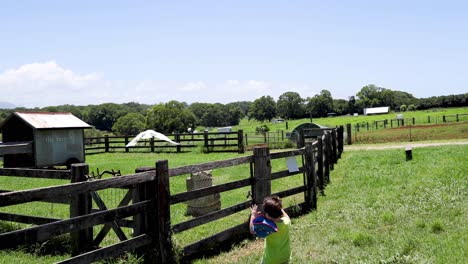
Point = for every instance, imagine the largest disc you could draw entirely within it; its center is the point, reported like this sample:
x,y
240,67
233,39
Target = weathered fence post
x,y
429,119
240,141
126,142
340,140
152,144
348,132
443,119
320,165
177,139
205,137
106,143
310,195
163,213
334,147
80,204
300,140
262,175
409,153
326,155
147,222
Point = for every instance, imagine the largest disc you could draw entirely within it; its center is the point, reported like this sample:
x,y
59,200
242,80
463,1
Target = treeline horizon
x,y
174,116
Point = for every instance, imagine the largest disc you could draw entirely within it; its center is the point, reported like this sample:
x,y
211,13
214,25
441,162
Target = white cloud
x,y
232,82
193,86
44,84
48,84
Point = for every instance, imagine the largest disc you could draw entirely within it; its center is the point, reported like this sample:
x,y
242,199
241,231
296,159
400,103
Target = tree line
x,y
174,116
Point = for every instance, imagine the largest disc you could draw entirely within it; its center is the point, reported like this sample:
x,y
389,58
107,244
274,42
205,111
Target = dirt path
x,y
403,145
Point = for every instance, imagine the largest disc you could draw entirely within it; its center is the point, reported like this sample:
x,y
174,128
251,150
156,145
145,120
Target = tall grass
x,y
381,209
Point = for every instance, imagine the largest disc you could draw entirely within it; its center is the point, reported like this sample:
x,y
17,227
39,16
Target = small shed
x,y
309,130
42,139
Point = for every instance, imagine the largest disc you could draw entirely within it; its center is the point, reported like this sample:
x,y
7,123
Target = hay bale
x,y
206,204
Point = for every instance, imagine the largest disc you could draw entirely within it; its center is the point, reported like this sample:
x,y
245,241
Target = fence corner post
x,y
163,213
80,204
177,139
205,139
311,180
348,133
126,142
320,165
106,143
262,175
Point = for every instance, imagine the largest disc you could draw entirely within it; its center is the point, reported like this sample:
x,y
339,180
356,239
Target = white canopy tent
x,y
150,134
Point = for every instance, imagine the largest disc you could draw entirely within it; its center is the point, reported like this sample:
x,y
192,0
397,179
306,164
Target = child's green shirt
x,y
277,245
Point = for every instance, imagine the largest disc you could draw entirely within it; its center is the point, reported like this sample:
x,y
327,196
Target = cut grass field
x,y
381,209
420,116
378,207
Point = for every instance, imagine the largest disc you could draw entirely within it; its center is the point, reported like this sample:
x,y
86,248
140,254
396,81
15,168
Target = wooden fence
x,y
152,200
390,123
209,141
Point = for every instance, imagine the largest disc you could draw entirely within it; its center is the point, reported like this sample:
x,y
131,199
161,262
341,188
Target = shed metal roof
x,y
49,120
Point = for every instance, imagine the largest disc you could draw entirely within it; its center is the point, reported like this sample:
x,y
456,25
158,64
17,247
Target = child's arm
x,y
253,214
284,213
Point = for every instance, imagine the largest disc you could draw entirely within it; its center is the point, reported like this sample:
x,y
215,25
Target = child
x,y
277,248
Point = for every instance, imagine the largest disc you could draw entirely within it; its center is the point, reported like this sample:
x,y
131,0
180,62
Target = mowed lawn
x,y
381,209
378,208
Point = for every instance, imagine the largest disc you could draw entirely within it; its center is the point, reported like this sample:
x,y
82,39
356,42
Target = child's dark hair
x,y
272,206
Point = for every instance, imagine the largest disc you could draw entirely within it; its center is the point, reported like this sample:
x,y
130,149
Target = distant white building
x,y
376,110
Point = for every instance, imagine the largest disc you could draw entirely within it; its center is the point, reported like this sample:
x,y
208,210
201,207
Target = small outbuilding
x,y
306,131
42,139
376,110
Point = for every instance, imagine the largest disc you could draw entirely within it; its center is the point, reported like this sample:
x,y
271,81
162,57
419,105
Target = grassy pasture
x,y
127,162
397,214
413,133
381,209
377,209
420,118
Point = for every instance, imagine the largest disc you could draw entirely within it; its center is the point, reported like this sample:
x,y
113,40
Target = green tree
x,y
263,108
244,107
214,116
170,117
234,114
320,104
369,96
290,105
104,116
129,124
199,109
352,105
340,106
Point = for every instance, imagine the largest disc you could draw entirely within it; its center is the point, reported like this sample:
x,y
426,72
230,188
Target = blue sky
x,y
91,52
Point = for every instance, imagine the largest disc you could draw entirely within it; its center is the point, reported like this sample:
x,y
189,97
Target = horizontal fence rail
x,y
209,141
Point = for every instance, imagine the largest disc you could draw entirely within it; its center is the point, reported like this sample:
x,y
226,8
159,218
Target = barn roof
x,y
48,120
